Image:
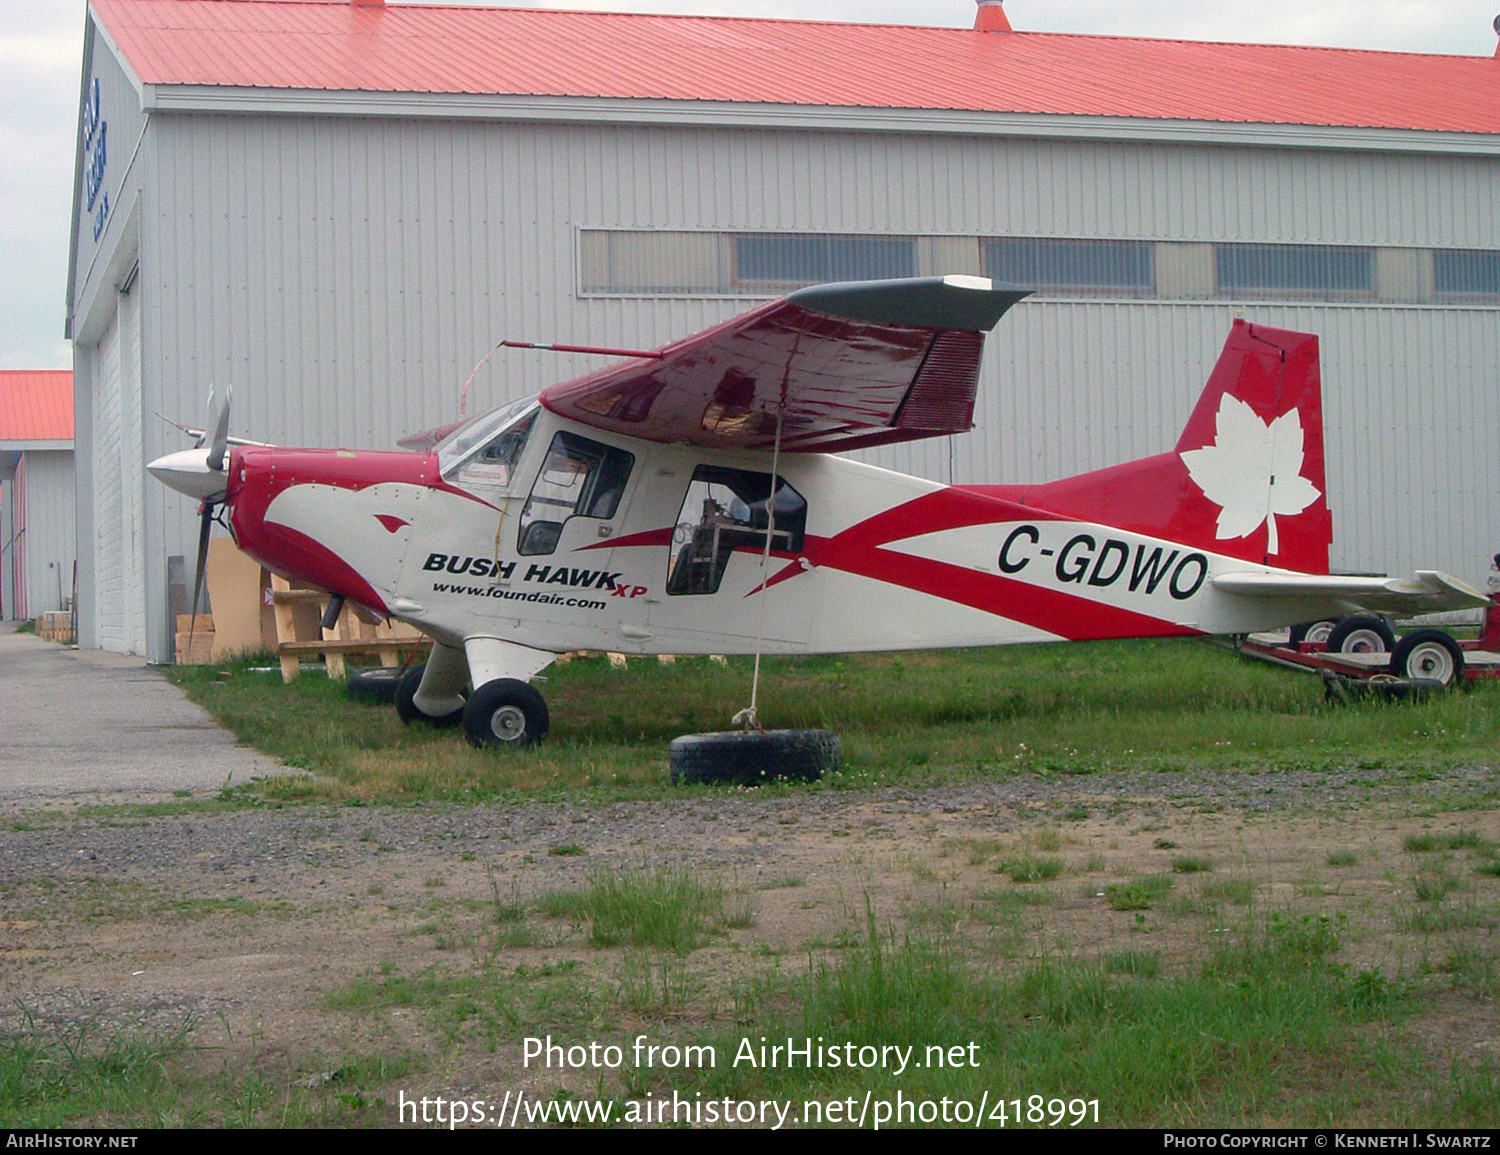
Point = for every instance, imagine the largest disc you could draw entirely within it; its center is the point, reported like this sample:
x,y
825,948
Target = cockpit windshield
x,y
485,451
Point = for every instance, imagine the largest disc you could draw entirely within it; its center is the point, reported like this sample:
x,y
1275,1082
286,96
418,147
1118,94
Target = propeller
x,y
220,443
218,447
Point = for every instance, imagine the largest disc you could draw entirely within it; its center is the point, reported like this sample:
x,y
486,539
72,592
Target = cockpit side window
x,y
728,511
580,478
483,454
494,464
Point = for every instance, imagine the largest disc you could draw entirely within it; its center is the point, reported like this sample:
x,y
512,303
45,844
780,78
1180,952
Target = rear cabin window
x,y
580,478
728,511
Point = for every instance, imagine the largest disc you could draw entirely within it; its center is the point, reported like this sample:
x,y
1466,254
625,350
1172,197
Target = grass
x,y
1428,842
80,1077
669,909
905,719
1188,864
1031,869
1269,1034
1137,894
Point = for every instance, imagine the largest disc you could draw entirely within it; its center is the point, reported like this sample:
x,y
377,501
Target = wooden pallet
x,y
55,626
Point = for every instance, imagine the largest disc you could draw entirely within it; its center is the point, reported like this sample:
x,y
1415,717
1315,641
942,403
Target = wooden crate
x,y
195,640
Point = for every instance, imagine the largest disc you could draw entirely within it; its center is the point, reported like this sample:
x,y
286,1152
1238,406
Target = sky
x,y
41,60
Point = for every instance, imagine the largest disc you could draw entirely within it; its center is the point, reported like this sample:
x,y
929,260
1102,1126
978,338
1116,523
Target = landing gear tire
x,y
408,710
1428,654
1310,632
1361,635
741,759
378,685
505,713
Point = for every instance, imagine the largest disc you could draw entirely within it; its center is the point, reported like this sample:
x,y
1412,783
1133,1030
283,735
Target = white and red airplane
x,y
689,501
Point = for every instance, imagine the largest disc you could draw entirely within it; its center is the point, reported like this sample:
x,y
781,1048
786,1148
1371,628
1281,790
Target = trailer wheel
x,y
406,705
741,759
1429,654
1361,635
1310,632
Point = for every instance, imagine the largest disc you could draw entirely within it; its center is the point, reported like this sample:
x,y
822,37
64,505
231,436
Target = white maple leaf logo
x,y
1252,471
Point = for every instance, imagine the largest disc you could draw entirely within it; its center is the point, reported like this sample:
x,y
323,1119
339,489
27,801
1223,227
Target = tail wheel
x,y
505,713
1429,654
1361,635
406,705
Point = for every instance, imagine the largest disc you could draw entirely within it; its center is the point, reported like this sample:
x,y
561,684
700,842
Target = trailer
x,y
1365,648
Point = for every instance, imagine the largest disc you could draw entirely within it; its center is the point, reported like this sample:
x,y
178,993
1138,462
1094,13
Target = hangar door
x,y
119,570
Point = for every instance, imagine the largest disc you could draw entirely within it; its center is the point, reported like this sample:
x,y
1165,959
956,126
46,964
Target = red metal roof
x,y
36,405
421,48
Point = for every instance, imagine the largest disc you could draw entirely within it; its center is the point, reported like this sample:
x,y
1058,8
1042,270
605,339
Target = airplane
x,y
690,500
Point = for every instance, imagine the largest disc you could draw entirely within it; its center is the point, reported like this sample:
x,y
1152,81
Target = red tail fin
x,y
1246,478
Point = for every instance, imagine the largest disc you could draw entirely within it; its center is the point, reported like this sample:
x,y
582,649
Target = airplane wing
x,y
1428,592
847,365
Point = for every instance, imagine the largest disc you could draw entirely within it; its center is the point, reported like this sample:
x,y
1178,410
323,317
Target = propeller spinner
x,y
200,473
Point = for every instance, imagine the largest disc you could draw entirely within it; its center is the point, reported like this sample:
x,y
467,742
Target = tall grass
x,y
668,908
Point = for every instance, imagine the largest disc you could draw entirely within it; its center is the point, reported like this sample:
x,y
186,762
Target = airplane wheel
x,y
1428,654
505,712
1310,632
408,710
1361,635
742,759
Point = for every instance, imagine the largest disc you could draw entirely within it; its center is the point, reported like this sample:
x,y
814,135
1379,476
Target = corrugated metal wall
x,y
345,274
50,546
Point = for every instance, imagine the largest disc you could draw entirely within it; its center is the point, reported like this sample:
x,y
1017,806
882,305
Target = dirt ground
x,y
243,923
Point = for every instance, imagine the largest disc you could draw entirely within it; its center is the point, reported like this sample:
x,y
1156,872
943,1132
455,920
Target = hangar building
x,y
338,208
37,533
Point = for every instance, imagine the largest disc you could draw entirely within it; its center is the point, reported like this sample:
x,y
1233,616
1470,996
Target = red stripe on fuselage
x,y
860,550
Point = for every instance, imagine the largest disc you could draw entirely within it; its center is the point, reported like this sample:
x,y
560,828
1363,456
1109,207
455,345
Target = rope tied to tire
x,y
746,718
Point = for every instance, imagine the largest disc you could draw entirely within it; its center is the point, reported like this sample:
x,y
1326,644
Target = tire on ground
x,y
377,685
743,759
1361,634
408,710
505,713
1428,654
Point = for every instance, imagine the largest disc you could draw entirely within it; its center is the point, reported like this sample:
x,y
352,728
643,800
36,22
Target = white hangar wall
x,y
345,274
121,581
43,483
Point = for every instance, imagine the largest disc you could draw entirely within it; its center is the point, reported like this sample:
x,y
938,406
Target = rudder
x,y
1246,478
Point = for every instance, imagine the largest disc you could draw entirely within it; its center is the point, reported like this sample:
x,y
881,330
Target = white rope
x,y
746,717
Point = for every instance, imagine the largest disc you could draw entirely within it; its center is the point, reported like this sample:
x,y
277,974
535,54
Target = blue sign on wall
x,y
95,137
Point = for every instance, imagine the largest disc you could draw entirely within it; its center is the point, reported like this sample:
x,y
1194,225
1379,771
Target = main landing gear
x,y
502,711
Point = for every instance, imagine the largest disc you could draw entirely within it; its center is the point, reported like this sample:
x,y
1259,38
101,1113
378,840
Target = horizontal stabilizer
x,y
1428,592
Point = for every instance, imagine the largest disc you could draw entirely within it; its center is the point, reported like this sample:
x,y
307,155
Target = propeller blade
x,y
201,435
220,444
203,532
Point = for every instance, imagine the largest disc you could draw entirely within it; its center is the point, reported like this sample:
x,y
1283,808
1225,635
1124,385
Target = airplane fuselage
x,y
861,558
